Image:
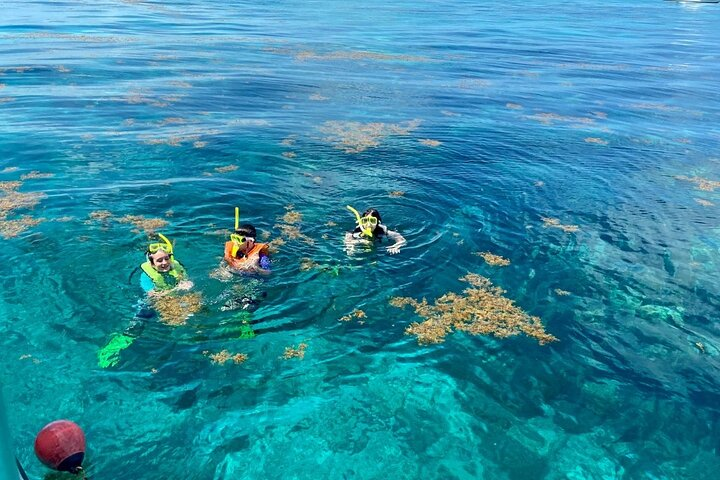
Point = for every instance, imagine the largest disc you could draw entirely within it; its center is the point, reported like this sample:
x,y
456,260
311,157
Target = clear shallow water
x,y
577,111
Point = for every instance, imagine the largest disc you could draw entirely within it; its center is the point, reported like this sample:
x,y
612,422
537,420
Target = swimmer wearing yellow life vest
x,y
370,229
160,270
161,273
242,253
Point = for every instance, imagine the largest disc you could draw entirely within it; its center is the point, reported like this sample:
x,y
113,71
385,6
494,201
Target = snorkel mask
x,y
367,223
165,245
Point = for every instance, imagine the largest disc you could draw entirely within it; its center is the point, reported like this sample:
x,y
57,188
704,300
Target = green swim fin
x,y
109,355
246,331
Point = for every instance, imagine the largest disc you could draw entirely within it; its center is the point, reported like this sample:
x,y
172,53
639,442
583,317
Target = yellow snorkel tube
x,y
167,243
363,229
236,245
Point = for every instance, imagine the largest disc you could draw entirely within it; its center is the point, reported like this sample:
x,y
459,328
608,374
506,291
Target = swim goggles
x,y
239,239
367,223
165,245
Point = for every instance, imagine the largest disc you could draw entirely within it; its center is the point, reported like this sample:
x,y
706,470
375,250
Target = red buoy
x,y
61,446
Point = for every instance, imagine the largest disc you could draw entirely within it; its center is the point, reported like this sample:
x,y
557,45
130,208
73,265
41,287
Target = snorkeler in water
x,y
370,229
246,257
161,274
243,254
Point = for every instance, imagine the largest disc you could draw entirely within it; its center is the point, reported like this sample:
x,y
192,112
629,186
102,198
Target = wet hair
x,y
373,213
246,230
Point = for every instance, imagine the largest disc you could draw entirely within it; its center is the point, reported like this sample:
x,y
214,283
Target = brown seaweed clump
x,y
13,228
356,137
596,140
492,259
275,244
172,140
288,141
35,174
397,194
10,186
222,357
174,310
292,217
308,264
480,310
148,225
292,232
292,352
355,314
704,203
555,223
12,200
561,293
227,169
550,118
290,228
702,183
100,215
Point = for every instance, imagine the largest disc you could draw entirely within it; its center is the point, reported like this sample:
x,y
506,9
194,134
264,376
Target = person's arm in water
x,y
265,262
183,282
350,241
263,265
398,239
146,283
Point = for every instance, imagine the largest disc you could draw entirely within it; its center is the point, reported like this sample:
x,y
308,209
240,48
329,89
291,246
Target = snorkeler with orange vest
x,y
161,274
243,254
370,229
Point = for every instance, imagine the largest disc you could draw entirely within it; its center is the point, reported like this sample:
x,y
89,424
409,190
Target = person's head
x,y
160,260
244,237
160,254
369,221
372,212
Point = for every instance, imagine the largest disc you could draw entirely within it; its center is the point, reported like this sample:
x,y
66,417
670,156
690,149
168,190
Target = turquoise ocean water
x,y
466,124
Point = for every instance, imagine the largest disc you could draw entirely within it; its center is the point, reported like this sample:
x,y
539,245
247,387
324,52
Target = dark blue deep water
x,y
466,124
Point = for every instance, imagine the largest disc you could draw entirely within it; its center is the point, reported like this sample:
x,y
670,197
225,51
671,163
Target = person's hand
x,y
155,293
393,249
184,285
349,248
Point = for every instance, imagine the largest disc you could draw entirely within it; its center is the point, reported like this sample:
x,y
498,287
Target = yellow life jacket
x,y
164,281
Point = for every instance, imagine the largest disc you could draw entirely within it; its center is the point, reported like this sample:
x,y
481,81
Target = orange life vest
x,y
243,261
